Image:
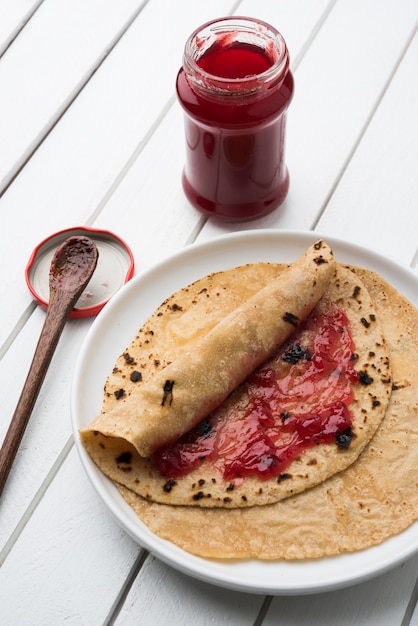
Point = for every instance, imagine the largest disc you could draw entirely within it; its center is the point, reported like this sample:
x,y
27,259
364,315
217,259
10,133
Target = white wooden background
x,y
91,133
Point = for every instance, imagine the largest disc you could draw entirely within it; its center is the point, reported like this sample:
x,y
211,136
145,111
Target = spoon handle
x,y
59,309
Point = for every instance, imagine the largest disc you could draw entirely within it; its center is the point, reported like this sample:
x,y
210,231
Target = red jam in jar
x,y
235,87
297,399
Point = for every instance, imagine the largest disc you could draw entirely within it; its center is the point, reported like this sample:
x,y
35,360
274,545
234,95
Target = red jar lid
x,y
115,267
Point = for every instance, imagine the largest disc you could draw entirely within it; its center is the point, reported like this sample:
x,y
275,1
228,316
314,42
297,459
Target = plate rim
x,y
227,574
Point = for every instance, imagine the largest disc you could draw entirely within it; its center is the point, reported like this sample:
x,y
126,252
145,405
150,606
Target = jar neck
x,y
235,58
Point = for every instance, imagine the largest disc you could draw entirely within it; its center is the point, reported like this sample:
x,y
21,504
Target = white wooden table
x,y
91,133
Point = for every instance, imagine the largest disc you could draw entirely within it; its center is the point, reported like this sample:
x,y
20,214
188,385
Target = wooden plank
x,y
153,187
51,81
42,577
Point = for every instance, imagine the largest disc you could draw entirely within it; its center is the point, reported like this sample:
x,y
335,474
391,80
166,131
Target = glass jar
x,y
235,87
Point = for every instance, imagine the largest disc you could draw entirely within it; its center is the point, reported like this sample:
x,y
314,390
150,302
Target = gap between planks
x,y
125,589
15,33
412,604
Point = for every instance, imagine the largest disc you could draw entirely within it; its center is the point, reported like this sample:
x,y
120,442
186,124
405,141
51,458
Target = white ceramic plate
x,y
111,333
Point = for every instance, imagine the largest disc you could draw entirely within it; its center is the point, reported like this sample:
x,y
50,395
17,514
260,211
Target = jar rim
x,y
230,25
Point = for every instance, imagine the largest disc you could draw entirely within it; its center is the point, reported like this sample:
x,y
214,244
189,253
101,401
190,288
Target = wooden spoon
x,y
71,268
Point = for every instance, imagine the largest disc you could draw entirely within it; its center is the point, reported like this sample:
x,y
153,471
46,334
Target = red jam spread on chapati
x,y
297,399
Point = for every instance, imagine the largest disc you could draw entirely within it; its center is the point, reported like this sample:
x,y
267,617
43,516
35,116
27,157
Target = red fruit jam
x,y
234,61
298,399
235,87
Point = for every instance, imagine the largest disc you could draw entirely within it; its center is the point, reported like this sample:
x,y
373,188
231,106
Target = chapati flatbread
x,y
372,500
199,378
168,330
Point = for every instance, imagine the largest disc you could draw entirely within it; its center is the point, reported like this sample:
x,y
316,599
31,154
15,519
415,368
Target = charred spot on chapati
x,y
168,392
295,353
366,323
319,260
168,486
364,378
198,496
119,393
344,439
128,358
124,457
136,377
290,318
284,476
124,461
